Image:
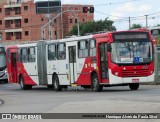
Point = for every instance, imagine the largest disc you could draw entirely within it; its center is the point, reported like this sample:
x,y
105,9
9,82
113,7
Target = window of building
x,y
18,35
83,20
83,49
31,54
52,52
8,11
17,10
8,36
0,22
75,20
70,20
26,33
92,46
55,20
61,51
55,32
42,19
25,20
24,55
25,8
0,10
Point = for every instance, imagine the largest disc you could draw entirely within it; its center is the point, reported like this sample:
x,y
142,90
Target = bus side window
x,y
52,52
24,55
83,49
61,51
31,54
19,55
92,46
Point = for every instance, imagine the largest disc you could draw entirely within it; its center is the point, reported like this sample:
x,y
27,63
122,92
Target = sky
x,y
119,11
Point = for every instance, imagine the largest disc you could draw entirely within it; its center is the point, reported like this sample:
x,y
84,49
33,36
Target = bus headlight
x,y
116,73
5,71
151,72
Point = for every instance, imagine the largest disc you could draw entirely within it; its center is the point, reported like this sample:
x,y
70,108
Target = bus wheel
x,y
134,86
23,86
95,84
57,87
6,81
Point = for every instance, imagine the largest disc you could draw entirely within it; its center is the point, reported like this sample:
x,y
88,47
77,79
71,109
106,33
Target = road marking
x,y
1,102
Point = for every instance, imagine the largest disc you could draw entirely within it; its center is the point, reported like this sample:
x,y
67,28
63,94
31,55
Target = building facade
x,y
19,21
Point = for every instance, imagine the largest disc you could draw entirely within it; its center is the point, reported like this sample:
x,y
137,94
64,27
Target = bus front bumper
x,y
3,75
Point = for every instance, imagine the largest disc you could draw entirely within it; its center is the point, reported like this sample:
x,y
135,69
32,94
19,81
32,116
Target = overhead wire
x,y
121,19
113,3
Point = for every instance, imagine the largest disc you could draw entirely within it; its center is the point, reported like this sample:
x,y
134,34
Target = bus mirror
x,y
109,48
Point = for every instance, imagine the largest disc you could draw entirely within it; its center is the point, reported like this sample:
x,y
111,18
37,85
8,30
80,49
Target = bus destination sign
x,y
130,36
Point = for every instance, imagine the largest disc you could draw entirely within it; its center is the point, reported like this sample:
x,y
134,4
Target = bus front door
x,y
103,60
14,67
72,63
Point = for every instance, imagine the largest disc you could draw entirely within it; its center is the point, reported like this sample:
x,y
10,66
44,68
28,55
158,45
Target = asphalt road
x,y
76,100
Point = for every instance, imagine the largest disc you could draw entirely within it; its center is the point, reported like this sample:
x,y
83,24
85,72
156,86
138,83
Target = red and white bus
x,y
93,61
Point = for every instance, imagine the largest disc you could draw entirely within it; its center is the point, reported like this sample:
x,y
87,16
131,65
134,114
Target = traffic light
x,y
85,9
88,9
91,10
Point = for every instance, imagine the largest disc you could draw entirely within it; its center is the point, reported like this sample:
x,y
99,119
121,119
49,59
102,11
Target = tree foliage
x,y
134,26
93,26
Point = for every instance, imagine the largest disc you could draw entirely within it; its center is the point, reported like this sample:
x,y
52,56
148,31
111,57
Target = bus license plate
x,y
135,80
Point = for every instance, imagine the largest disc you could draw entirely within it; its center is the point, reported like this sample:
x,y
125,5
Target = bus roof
x,y
98,35
157,27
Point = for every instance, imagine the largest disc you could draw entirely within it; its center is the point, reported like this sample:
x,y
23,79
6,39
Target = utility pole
x,y
146,21
62,23
129,23
49,26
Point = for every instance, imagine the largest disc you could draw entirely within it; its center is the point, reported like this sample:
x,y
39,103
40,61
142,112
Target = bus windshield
x,y
2,58
131,52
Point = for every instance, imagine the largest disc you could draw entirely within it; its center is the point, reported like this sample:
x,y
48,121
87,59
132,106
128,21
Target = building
x,y
70,19
19,21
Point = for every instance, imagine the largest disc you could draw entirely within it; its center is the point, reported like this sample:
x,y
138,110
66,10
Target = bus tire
x,y
134,86
95,84
23,86
56,85
6,81
29,87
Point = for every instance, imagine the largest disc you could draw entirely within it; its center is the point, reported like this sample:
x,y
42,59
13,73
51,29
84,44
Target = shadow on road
x,y
3,82
16,87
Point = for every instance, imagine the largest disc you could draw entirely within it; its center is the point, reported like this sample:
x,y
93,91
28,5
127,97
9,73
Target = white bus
x,y
93,61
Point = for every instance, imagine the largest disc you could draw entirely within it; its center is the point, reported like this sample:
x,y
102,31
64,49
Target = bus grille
x,y
1,74
135,73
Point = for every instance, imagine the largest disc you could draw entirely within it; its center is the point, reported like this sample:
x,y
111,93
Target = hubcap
x,y
21,83
55,83
95,81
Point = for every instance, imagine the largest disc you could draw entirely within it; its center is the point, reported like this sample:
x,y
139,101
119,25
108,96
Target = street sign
x,y
136,59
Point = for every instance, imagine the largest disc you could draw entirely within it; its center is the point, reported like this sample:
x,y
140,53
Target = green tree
x,y
93,26
134,26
